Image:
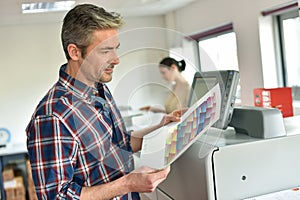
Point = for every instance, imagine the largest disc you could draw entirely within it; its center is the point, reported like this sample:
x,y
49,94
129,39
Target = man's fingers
x,y
171,118
160,174
175,118
180,112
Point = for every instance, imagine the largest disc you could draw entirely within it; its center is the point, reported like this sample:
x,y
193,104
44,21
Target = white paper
x,y
291,194
163,146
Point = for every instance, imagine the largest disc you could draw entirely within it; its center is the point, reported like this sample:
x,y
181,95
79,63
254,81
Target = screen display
x,y
201,87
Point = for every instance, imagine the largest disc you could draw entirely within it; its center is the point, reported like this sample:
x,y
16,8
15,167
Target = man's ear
x,y
74,52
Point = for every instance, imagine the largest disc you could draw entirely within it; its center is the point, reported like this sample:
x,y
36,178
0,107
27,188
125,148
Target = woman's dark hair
x,y
168,61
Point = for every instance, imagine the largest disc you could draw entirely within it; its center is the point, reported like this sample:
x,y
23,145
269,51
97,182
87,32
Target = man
x,y
77,142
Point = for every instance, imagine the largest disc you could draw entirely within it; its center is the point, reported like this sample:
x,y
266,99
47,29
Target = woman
x,y
170,70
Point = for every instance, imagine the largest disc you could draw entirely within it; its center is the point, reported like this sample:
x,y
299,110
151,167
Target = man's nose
x,y
115,61
115,58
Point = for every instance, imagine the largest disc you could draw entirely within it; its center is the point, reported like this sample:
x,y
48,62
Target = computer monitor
x,y
228,81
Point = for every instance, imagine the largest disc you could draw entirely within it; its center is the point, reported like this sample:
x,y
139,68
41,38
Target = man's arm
x,y
142,180
136,138
52,153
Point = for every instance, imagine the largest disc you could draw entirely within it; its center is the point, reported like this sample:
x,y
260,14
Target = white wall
x,y
205,14
143,45
30,58
31,55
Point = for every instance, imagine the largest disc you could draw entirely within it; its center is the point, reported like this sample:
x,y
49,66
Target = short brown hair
x,y
80,23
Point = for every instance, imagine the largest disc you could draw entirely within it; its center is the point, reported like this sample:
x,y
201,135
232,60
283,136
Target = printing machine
x,y
226,165
258,154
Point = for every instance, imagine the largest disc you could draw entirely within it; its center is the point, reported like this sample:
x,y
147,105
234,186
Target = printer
x,y
250,153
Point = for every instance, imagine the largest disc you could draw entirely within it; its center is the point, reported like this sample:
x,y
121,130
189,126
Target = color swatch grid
x,y
180,136
163,146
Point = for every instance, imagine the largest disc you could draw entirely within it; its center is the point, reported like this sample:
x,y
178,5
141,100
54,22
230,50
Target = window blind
x,y
212,32
281,9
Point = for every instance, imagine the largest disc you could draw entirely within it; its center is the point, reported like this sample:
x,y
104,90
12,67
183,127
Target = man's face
x,y
101,56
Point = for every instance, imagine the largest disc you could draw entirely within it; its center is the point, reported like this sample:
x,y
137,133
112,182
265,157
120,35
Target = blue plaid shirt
x,y
77,139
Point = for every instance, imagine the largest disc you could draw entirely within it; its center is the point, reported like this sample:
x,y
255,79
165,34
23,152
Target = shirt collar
x,y
76,86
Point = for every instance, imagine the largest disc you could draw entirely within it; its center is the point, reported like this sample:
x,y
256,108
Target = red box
x,y
280,98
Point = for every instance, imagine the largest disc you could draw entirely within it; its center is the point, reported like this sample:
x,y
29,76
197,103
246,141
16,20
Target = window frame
x,y
213,33
280,45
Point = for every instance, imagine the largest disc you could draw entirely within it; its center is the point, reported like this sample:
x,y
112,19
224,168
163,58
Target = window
x,y
289,41
218,51
280,42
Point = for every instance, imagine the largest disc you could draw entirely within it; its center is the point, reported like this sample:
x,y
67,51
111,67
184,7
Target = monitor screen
x,y
200,87
227,80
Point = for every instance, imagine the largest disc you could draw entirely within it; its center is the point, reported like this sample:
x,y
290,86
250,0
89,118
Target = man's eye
x,y
104,52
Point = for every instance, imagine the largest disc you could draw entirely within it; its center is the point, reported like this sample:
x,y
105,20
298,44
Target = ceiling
x,y
10,10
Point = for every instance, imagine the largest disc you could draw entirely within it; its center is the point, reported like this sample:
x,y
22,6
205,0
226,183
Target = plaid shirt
x,y
77,139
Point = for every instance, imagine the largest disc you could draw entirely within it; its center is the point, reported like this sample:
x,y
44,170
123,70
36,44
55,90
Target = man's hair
x,y
80,23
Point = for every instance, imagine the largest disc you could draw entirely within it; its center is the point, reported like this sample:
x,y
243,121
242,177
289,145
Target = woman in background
x,y
170,70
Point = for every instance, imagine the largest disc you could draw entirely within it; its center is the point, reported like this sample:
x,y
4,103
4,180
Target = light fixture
x,y
40,7
148,1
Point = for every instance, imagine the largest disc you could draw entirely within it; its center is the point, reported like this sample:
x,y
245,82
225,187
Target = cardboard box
x,y
31,188
30,183
8,174
20,189
28,167
14,189
32,195
31,192
280,98
10,193
18,198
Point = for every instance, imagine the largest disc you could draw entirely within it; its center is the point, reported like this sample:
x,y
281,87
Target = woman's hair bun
x,y
168,61
181,65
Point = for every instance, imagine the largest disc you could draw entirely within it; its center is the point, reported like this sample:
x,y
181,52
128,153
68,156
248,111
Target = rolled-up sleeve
x,y
52,152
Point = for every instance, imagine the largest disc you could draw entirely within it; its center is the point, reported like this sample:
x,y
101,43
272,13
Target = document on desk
x,y
291,194
163,146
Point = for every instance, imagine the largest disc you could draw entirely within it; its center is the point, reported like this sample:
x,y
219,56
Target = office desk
x,y
13,153
224,165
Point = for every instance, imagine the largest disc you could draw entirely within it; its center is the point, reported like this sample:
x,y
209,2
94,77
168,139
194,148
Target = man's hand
x,y
136,138
145,179
172,117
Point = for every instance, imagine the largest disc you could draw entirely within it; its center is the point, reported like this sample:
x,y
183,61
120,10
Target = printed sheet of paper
x,y
163,146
